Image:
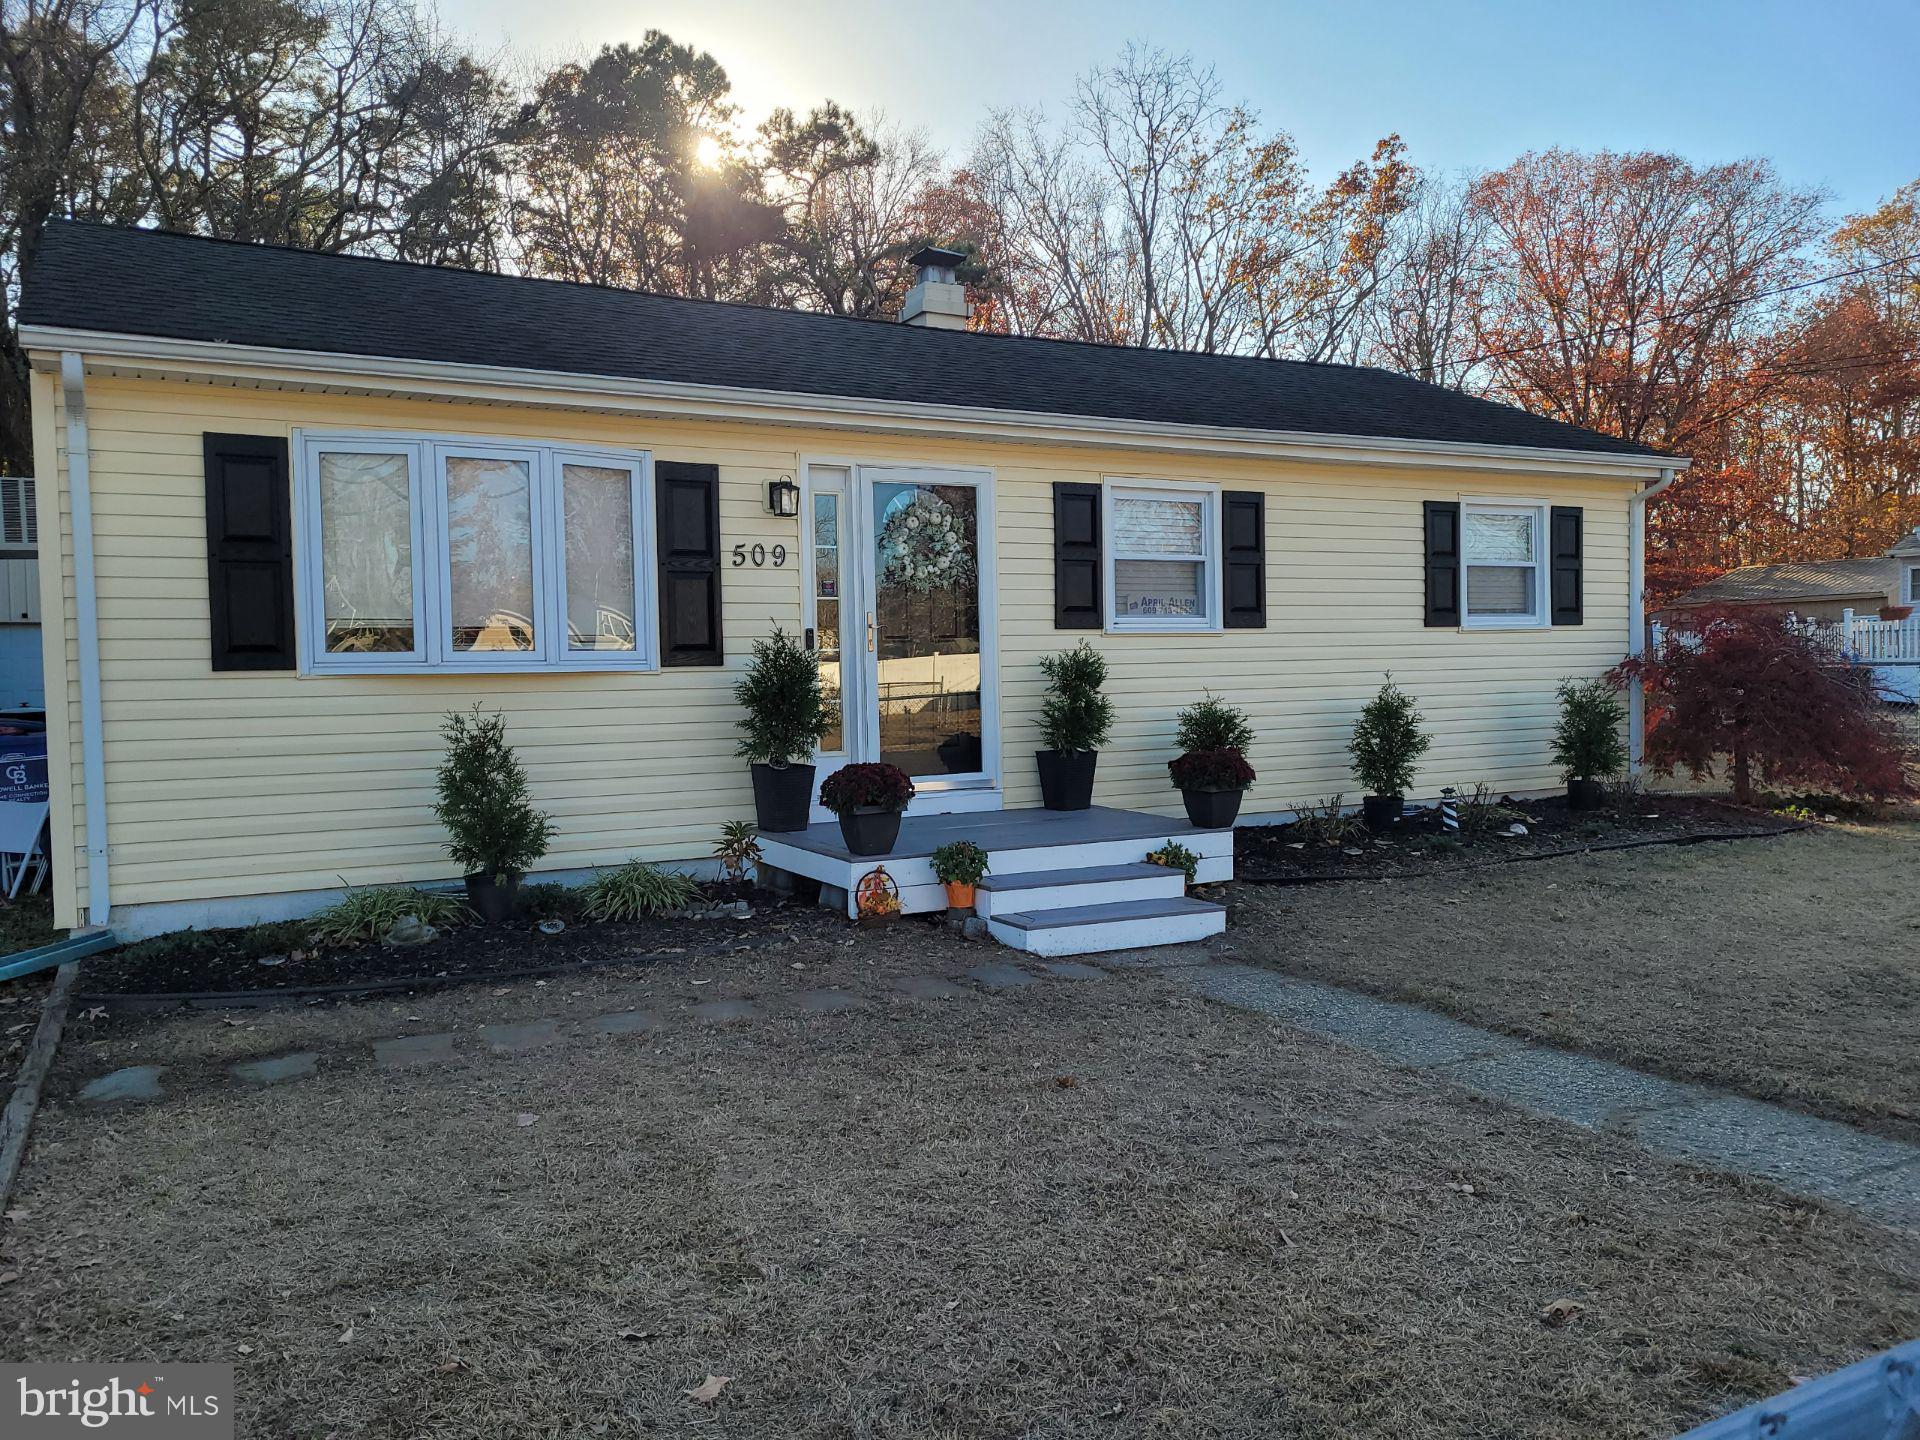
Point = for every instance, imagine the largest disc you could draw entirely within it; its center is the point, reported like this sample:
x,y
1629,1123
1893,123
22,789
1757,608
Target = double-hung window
x,y
1501,544
1162,547
1913,584
422,553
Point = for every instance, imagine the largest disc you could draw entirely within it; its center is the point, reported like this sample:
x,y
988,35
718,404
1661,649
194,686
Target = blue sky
x,y
1830,92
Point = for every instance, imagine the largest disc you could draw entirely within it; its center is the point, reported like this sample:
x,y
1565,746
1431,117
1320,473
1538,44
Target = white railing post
x,y
1846,631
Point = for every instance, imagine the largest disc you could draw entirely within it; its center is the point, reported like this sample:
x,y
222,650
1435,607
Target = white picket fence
x,y
1880,642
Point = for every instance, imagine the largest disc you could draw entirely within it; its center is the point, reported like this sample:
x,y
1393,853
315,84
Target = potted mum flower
x,y
1388,741
1211,773
959,865
869,800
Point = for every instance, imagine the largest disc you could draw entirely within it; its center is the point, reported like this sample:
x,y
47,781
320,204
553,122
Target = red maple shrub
x,y
1777,703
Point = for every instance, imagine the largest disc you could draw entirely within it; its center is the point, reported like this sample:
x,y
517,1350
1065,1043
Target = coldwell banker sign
x,y
135,1402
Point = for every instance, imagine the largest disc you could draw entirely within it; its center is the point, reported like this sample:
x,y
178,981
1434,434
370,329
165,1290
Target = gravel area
x,y
1094,1207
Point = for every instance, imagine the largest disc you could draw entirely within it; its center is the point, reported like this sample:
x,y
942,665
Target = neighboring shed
x,y
1814,589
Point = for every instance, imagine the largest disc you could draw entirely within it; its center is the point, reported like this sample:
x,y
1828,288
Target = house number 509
x,y
758,555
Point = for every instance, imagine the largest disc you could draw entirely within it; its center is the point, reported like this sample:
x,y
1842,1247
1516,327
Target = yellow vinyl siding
x,y
238,784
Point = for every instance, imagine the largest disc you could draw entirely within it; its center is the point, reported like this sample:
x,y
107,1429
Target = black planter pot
x,y
1586,794
1212,809
1381,813
782,795
494,898
1066,778
870,832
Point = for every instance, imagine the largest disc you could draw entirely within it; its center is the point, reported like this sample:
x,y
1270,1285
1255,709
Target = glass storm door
x,y
901,569
929,698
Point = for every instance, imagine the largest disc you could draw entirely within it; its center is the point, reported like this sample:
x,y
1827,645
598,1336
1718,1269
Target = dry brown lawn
x,y
1787,969
1088,1209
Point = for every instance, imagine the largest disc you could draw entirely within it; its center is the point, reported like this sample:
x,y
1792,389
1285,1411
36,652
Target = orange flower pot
x,y
959,895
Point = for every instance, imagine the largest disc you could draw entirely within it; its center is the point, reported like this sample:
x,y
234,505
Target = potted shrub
x,y
1211,772
784,714
494,832
1075,718
1586,741
1896,612
869,800
1388,741
958,865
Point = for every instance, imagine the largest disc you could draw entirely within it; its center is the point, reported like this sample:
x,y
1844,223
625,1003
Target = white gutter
x,y
93,750
1637,610
348,373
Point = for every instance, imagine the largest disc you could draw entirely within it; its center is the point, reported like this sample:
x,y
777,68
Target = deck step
x,y
1115,925
1089,885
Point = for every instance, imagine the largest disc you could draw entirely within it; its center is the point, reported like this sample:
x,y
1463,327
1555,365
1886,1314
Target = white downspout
x,y
93,745
1637,611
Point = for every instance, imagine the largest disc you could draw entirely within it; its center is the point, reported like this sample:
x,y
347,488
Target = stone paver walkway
x,y
1717,1131
1708,1128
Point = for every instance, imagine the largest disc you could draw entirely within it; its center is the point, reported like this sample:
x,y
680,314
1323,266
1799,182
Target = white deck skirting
x,y
1017,842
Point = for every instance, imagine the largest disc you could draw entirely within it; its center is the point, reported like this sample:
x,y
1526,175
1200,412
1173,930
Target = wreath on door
x,y
924,546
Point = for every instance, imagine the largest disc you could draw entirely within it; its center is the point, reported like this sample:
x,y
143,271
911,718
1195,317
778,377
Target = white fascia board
x,y
347,373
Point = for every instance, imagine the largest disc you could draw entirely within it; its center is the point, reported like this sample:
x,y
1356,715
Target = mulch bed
x,y
220,963
1419,846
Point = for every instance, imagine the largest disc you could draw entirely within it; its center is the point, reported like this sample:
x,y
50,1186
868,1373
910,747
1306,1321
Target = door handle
x,y
869,632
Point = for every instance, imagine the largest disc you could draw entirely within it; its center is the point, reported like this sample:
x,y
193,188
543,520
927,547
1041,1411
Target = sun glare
x,y
708,151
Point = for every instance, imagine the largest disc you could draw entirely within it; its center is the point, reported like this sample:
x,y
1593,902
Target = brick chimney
x,y
937,300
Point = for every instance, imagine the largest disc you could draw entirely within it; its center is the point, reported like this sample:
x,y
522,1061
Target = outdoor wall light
x,y
783,496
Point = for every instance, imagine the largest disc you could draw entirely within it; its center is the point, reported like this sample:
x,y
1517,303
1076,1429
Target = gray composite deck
x,y
999,830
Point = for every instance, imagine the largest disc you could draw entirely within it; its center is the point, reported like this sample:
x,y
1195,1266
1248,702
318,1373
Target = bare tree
x,y
850,190
1425,319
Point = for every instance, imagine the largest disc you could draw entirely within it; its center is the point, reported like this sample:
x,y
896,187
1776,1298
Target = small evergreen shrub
x,y
1210,723
1175,856
492,826
1586,741
1388,741
635,891
959,862
1210,770
369,913
856,787
783,709
1075,716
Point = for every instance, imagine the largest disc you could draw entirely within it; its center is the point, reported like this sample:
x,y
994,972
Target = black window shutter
x,y
1243,536
687,505
249,551
1443,562
1077,566
1566,529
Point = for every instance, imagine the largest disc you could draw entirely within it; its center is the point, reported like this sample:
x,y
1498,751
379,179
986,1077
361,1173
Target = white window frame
x,y
433,651
1134,487
1537,511
1910,583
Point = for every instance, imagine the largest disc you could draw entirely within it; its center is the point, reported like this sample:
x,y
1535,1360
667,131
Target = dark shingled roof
x,y
1807,580
150,282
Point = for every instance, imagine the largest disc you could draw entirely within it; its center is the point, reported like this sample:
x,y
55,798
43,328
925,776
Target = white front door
x,y
900,593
